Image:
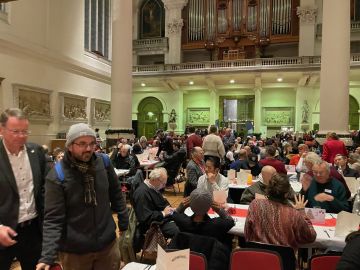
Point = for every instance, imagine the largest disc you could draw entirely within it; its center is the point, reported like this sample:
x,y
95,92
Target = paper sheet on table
x,y
352,183
242,177
175,260
316,215
290,168
220,196
231,174
346,223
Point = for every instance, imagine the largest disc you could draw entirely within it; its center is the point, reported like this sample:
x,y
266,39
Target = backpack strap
x,y
60,172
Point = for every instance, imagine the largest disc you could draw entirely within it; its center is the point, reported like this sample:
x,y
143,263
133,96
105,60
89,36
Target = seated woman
x,y
273,221
200,223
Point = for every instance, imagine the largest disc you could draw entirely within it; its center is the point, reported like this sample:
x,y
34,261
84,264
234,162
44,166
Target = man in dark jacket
x,y
22,175
79,202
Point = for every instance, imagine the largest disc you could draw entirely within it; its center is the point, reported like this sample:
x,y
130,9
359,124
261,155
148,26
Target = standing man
x,y
333,146
80,194
22,174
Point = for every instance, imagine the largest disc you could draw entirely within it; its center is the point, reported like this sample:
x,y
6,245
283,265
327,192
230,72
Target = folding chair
x,y
255,259
324,262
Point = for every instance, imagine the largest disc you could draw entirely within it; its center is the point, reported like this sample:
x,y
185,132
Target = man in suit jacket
x,y
22,170
194,169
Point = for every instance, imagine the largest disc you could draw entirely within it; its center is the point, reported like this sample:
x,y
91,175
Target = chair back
x,y
56,266
324,262
287,254
255,259
197,261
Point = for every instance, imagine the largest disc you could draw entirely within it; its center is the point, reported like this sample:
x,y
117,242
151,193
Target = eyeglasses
x,y
17,132
84,145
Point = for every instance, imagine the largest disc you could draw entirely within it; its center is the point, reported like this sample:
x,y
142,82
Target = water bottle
x,y
356,207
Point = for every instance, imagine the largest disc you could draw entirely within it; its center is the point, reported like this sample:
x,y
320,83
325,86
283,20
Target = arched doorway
x,y
150,116
353,113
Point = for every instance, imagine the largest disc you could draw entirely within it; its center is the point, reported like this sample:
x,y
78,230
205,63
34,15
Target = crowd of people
x,y
59,207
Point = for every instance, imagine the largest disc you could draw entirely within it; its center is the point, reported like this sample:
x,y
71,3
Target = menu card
x,y
175,260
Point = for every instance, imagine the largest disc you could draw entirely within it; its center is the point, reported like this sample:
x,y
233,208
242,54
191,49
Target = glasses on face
x,y
85,145
18,132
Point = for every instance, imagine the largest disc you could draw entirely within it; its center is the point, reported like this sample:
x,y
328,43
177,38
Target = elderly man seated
x,y
200,223
324,191
150,205
124,160
258,190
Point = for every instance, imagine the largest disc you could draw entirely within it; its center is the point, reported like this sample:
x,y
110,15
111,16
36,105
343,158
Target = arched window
x,y
152,19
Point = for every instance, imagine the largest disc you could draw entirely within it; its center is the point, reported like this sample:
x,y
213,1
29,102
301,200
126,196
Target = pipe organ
x,y
243,25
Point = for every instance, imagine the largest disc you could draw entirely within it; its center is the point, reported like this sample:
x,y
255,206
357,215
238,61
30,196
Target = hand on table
x,y
323,197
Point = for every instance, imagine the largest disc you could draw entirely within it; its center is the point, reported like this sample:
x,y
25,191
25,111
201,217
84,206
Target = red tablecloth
x,y
237,212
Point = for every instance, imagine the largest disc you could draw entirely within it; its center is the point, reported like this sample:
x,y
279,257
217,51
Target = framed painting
x,y
278,116
101,111
73,108
35,102
198,116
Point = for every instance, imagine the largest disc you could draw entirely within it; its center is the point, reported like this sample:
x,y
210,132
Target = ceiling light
x,y
191,82
232,81
279,79
143,84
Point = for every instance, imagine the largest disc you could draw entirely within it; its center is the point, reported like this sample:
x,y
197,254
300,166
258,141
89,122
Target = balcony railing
x,y
354,27
150,44
308,62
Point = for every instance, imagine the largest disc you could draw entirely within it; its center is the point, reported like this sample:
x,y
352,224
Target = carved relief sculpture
x,y
101,110
198,116
174,27
35,102
278,116
74,108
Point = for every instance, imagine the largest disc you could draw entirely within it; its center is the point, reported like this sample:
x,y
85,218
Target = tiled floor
x,y
174,200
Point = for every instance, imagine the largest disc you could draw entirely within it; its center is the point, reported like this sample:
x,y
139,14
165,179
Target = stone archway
x,y
150,116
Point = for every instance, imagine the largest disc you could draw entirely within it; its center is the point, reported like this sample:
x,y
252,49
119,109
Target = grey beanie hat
x,y
77,131
200,201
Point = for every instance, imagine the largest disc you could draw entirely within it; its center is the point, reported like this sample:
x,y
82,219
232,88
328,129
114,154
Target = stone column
x,y
121,71
307,12
173,26
335,66
214,106
257,112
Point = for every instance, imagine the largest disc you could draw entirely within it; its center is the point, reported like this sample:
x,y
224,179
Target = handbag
x,y
153,238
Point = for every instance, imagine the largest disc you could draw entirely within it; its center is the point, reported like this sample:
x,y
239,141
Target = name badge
x,y
328,191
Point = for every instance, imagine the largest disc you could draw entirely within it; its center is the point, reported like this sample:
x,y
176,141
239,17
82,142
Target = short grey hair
x,y
157,172
12,112
312,158
143,139
323,163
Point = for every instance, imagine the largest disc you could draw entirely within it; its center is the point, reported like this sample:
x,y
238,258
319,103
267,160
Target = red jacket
x,y
331,148
192,141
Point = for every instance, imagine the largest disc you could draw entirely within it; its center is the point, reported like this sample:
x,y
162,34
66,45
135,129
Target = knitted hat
x,y
77,131
200,201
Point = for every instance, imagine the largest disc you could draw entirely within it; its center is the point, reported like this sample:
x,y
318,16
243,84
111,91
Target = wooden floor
x,y
173,198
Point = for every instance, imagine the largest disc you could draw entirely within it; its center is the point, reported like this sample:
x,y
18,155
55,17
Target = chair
x,y
197,261
287,254
324,262
255,259
56,266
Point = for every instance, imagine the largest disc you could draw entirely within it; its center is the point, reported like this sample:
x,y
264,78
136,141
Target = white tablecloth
x,y
138,266
294,184
121,172
325,235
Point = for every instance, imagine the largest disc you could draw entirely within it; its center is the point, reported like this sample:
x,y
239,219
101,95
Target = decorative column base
x,y
345,137
113,136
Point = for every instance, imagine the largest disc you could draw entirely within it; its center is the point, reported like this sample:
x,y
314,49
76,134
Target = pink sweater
x,y
278,224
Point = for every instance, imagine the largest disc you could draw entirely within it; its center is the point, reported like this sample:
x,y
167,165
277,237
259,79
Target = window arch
x,y
152,19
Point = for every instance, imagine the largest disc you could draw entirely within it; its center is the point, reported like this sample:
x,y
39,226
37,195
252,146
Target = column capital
x,y
307,15
174,26
175,4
